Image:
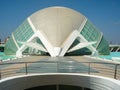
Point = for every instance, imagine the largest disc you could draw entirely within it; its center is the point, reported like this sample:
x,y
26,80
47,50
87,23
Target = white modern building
x,y
56,31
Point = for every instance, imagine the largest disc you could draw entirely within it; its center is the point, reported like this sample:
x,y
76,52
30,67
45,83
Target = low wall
x,y
34,80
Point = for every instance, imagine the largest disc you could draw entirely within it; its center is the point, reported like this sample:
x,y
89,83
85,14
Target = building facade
x,y
56,31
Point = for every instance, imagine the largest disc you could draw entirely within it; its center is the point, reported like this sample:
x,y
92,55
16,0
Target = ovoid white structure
x,y
56,31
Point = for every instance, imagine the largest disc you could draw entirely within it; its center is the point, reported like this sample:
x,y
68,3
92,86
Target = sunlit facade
x,y
56,31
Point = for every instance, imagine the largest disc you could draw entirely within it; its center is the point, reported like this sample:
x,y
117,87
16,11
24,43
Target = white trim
x,y
117,49
23,47
81,45
31,24
34,45
111,49
65,74
69,42
82,25
99,40
15,41
45,42
57,50
93,50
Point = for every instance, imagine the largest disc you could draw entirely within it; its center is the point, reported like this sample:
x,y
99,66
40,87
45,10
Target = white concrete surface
x,y
34,80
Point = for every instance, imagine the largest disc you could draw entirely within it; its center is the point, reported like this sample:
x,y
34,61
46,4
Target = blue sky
x,y
104,14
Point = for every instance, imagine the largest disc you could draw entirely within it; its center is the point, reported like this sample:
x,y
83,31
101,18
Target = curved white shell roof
x,y
56,23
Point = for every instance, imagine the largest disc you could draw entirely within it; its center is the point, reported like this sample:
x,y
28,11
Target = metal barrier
x,y
94,68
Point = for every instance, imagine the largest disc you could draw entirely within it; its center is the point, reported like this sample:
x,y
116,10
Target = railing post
x,y
0,75
26,68
57,67
115,74
89,68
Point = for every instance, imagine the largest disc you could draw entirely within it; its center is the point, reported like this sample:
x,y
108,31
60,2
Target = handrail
x,y
111,70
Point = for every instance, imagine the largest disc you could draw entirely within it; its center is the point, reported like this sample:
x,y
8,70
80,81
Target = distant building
x,y
56,31
114,48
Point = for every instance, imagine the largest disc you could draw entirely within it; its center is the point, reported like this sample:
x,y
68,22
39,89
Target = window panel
x,y
91,33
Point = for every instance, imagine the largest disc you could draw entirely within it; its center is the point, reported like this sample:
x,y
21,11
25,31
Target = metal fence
x,y
93,68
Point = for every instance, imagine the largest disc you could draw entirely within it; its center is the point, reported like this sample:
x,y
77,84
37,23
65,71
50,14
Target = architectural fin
x,y
69,42
33,45
81,45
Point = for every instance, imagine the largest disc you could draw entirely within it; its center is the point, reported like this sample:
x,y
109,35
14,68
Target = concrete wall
x,y
34,80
